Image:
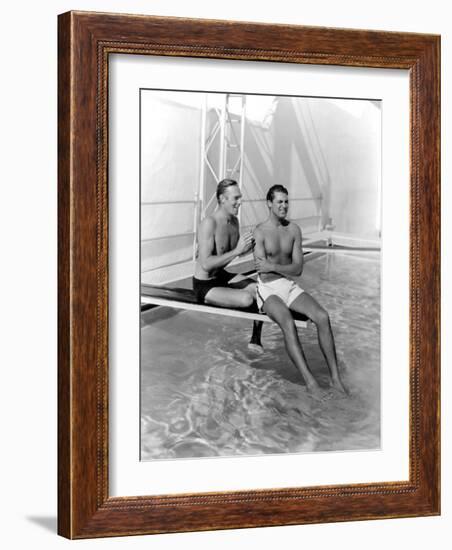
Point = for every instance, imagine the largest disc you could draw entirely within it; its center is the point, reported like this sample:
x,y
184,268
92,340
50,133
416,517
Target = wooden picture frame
x,y
85,42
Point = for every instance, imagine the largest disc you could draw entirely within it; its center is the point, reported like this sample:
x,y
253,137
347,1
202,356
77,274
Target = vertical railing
x,y
242,149
227,166
199,195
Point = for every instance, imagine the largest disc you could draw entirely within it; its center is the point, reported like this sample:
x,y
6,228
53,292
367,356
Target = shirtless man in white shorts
x,y
278,257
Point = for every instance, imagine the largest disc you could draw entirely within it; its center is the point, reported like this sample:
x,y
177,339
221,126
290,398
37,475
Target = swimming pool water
x,y
203,393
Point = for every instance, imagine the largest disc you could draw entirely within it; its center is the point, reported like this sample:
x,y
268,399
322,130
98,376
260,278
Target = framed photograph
x,y
248,275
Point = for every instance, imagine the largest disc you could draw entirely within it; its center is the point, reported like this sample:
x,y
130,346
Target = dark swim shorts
x,y
201,287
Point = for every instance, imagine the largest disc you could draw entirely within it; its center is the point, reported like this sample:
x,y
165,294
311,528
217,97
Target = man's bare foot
x,y
337,385
342,365
256,348
319,394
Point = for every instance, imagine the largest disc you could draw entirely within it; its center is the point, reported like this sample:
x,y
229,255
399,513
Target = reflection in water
x,y
203,393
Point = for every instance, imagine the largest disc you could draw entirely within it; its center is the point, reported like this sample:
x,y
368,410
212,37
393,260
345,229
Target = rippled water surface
x,y
203,393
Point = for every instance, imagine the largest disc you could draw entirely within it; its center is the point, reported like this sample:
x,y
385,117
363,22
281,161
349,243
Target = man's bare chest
x,y
278,242
226,238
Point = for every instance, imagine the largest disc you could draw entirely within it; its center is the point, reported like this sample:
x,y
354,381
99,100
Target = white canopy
x,y
326,152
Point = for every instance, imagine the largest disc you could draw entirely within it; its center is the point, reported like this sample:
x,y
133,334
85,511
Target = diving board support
x,y
240,314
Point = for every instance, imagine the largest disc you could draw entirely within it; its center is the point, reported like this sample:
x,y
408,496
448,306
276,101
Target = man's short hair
x,y
276,189
223,185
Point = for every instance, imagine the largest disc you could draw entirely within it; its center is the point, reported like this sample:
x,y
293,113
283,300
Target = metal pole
x,y
221,173
199,193
242,149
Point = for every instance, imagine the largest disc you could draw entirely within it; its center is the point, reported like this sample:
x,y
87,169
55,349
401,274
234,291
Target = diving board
x,y
182,298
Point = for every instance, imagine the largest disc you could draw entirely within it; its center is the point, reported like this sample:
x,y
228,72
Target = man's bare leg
x,y
237,297
255,343
228,297
275,308
306,304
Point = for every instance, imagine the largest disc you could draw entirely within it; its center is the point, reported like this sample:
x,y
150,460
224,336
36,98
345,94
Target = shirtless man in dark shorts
x,y
278,258
220,242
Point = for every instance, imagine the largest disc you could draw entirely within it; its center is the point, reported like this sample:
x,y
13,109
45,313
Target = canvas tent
x,y
326,152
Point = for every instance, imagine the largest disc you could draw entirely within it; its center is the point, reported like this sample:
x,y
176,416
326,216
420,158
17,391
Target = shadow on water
x,y
158,314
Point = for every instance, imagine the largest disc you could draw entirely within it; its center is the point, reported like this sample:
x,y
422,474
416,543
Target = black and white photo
x,y
260,274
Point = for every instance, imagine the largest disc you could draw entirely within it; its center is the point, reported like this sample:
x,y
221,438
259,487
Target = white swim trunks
x,y
286,289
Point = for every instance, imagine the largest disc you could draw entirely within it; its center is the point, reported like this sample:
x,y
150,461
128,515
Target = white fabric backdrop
x,y
325,151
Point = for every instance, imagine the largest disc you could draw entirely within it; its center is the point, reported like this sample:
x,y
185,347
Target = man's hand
x,y
245,243
262,265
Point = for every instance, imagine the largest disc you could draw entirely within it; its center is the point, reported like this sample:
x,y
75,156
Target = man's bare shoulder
x,y
294,229
208,224
264,225
260,228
